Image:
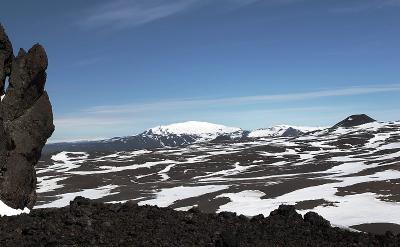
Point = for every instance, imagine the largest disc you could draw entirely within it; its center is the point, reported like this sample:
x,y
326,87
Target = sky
x,y
118,67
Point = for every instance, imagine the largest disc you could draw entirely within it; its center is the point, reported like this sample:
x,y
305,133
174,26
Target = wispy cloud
x,y
76,127
234,101
104,120
79,121
366,5
126,13
121,14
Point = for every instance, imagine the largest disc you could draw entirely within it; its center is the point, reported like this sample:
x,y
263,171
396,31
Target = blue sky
x,y
119,67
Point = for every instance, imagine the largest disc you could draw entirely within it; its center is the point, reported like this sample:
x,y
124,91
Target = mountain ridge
x,y
189,132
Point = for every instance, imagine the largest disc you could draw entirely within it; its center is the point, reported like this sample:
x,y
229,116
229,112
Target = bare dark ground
x,y
378,228
88,223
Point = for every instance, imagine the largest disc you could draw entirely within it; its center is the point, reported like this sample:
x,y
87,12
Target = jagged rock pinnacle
x,y
6,57
26,121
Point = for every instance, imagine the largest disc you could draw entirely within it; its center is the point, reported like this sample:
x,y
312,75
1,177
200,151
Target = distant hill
x,y
354,120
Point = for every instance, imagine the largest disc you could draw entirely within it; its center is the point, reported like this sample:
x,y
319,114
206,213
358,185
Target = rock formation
x,y
26,121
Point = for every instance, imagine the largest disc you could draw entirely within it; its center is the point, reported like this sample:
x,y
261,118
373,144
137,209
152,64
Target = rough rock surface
x,y
87,223
26,121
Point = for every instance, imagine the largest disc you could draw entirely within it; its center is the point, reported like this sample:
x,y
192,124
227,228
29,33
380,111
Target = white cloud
x,y
192,103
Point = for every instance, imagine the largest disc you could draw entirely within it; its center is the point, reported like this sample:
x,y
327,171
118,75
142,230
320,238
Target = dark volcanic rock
x,y
26,122
354,120
87,223
316,219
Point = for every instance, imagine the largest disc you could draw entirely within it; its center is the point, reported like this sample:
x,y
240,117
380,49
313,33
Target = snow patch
x,y
49,183
96,193
8,211
166,197
66,161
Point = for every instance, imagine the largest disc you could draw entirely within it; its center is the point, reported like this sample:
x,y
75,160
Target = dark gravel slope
x,y
87,223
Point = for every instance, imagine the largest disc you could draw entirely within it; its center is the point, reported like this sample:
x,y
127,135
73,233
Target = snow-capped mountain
x,y
173,135
280,130
202,131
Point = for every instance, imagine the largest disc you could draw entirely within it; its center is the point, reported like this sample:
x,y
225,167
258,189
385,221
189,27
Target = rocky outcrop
x,y
87,223
26,121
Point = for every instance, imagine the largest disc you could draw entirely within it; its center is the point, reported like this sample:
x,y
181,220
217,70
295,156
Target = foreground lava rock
x,y
87,223
26,121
